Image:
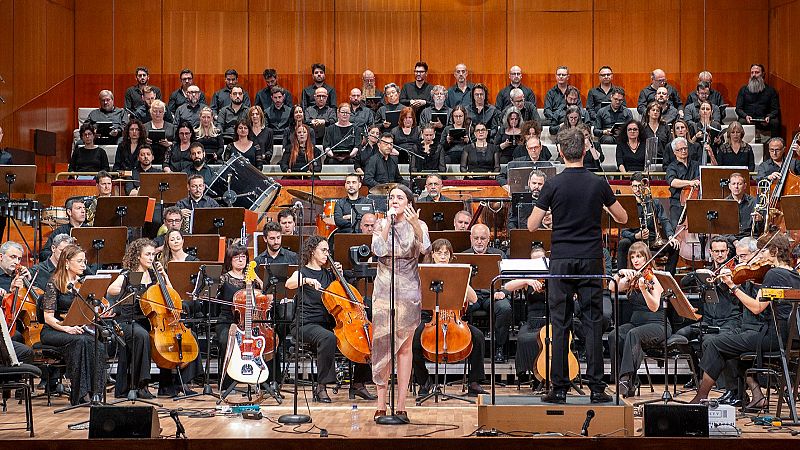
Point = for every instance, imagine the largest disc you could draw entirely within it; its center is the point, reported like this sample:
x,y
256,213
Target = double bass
x,y
171,343
353,330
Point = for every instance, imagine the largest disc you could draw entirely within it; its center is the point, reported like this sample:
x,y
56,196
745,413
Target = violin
x,y
754,271
257,308
454,337
19,307
171,343
353,330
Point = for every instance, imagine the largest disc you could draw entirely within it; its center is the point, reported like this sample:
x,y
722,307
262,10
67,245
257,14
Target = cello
x,y
257,308
455,337
353,330
171,343
244,361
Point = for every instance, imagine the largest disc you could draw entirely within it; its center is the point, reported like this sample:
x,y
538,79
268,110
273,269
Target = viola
x,y
244,361
19,307
257,308
353,330
754,271
171,343
454,337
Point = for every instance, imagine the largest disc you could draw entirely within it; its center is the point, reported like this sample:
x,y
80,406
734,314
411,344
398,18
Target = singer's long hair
x,y
60,277
308,150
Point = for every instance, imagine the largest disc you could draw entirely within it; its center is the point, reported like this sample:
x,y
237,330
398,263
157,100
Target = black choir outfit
x,y
410,142
679,171
452,150
346,206
363,155
528,334
744,157
596,98
382,170
341,141
433,160
176,159
301,161
664,136
264,139
88,160
159,151
484,159
254,154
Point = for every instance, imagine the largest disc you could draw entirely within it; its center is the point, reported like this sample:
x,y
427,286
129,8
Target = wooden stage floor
x,y
441,422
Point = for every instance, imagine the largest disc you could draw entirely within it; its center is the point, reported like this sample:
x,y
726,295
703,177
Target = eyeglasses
x,y
633,129
562,75
682,149
387,142
480,130
321,95
420,71
347,113
174,220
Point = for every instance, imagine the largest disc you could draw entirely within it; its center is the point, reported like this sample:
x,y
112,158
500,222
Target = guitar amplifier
x,y
125,422
673,420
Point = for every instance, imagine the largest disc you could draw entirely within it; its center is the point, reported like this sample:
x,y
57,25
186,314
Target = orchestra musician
x,y
367,224
576,198
44,270
681,173
76,213
758,332
442,253
105,186
747,213
770,168
433,186
316,322
646,326
345,215
398,257
12,273
75,343
173,220
518,217
196,198
274,252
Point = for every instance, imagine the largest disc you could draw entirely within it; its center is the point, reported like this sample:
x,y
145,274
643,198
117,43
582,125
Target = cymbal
x,y
382,189
460,189
306,196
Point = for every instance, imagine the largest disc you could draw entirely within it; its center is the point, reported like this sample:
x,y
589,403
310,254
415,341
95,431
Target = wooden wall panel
x,y
137,36
537,44
384,42
445,43
60,47
784,44
206,41
94,50
449,6
297,5
281,40
30,50
7,69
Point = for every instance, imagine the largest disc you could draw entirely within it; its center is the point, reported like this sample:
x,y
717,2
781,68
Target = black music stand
x,y
458,239
166,187
439,215
628,202
206,247
673,295
225,222
104,245
121,211
292,242
18,180
444,287
706,217
714,180
523,240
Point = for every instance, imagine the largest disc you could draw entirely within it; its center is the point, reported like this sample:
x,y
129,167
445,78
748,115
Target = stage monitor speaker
x,y
123,422
675,420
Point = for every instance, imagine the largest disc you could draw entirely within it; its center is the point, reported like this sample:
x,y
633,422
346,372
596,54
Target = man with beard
x,y
309,92
274,252
433,185
198,155
196,198
231,114
190,110
144,165
713,97
134,95
503,99
181,95
222,97
668,112
417,93
264,96
107,112
757,103
461,92
658,79
345,214
360,116
278,115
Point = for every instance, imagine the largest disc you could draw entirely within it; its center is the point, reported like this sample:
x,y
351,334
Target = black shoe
x,y
425,389
600,397
475,389
499,357
626,388
361,392
144,394
690,384
321,394
558,396
726,397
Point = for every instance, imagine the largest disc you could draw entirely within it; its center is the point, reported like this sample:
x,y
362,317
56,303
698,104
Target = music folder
x,y
393,117
440,117
457,133
157,135
617,127
103,129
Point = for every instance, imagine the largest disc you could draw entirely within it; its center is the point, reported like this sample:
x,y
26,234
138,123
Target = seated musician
x,y
44,270
77,346
442,253
382,167
367,224
316,324
133,370
173,220
535,319
724,314
433,186
274,252
12,273
751,223
647,233
196,198
197,153
518,216
681,173
646,326
76,213
770,169
479,238
105,186
345,215
342,139
461,220
758,332
143,165
288,222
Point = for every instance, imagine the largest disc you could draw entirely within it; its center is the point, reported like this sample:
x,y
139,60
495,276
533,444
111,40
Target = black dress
x,y
253,154
78,350
626,157
88,160
484,159
176,159
527,337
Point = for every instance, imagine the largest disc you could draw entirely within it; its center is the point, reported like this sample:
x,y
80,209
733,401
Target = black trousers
x,y
625,244
502,316
324,342
528,345
732,344
727,378
630,340
590,300
135,354
476,371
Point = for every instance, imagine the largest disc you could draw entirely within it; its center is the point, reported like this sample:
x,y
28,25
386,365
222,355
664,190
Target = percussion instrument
x,y
242,185
382,189
306,196
325,222
55,216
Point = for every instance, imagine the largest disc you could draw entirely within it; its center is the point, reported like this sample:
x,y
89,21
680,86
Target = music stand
x,y
520,172
790,205
458,239
183,275
225,222
714,180
673,295
523,240
19,180
341,250
439,215
81,312
167,187
209,247
122,211
104,245
484,268
292,242
444,288
628,202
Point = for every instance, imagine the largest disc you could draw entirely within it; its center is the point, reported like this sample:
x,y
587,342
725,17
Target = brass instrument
x,y
656,241
91,209
762,203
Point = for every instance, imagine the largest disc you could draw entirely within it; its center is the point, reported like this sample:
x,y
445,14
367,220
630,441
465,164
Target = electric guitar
x,y
245,362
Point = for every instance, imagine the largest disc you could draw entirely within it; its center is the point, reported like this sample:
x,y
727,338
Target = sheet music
x,y
8,356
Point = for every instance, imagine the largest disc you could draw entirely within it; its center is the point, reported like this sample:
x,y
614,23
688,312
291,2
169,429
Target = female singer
x,y
433,159
406,134
654,126
391,104
646,327
77,346
453,148
480,156
702,127
316,323
259,132
594,157
157,111
210,136
531,128
302,151
630,151
139,257
758,332
173,249
178,158
735,151
133,137
88,157
397,246
442,253
343,133
369,148
681,129
510,134
243,146
298,118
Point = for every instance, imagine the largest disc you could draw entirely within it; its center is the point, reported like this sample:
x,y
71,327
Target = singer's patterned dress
x,y
407,295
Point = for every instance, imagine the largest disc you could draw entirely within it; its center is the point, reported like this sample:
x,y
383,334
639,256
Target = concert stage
x,y
445,425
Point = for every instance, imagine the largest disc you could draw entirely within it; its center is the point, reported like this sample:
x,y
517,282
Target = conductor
x,y
576,198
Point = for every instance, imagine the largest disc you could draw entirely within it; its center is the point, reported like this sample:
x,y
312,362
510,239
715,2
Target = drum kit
x,y
239,184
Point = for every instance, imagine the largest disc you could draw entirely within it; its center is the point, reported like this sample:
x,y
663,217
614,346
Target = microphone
x,y
585,427
298,205
179,430
392,213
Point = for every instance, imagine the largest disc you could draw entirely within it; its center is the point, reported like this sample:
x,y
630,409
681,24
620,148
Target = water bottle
x,y
354,426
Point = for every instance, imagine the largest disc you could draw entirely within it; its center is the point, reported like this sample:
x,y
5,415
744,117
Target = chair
x,y
677,348
770,368
20,377
47,357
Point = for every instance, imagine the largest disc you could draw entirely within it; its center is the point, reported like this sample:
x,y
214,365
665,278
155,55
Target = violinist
x,y
74,343
758,332
770,169
647,233
646,326
139,256
316,324
442,253
681,173
747,214
275,253
11,275
724,314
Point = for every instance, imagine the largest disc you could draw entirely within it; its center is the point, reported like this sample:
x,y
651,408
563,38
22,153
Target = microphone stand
x,y
391,418
296,418
207,389
311,164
